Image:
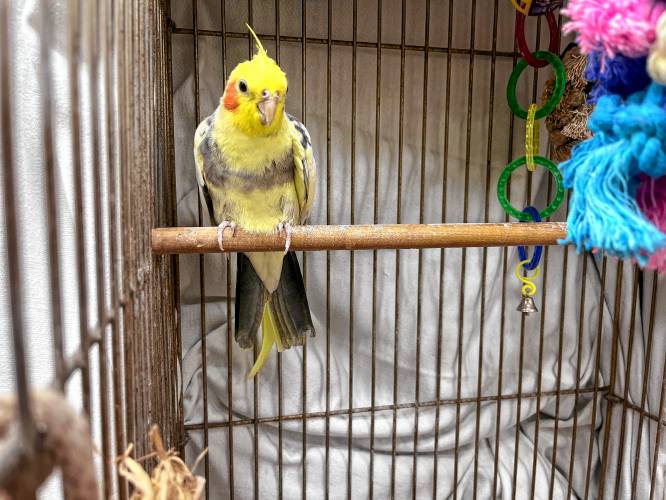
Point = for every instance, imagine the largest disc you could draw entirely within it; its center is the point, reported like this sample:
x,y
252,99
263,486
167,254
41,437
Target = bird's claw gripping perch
x,y
220,232
288,230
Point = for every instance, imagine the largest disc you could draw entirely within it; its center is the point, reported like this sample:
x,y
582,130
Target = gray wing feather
x,y
202,148
309,167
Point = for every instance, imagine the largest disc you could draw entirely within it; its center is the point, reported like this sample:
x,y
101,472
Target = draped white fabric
x,y
482,338
473,346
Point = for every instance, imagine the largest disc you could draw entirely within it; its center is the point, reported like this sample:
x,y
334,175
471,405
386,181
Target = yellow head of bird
x,y
255,94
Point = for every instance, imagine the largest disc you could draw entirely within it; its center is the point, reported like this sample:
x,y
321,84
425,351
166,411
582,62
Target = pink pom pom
x,y
614,26
651,198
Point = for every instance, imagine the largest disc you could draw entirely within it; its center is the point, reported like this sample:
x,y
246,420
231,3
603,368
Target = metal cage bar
x,y
304,369
128,361
25,436
375,219
113,266
352,238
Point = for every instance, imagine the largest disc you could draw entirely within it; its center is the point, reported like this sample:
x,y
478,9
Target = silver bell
x,y
527,305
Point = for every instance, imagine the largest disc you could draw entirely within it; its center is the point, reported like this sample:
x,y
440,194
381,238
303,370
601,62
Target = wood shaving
x,y
567,125
170,479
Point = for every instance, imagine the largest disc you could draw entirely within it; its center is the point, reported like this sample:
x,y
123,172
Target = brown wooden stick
x,y
64,441
180,240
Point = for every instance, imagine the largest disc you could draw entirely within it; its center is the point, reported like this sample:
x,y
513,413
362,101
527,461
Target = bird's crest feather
x,y
260,47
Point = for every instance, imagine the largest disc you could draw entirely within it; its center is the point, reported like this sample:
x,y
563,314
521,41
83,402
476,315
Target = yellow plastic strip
x,y
529,288
523,9
531,137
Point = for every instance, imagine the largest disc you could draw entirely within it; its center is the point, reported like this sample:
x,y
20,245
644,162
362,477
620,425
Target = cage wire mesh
x,y
423,381
422,376
87,309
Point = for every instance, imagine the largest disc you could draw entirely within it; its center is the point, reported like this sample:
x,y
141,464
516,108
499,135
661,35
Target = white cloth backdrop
x,y
25,35
469,325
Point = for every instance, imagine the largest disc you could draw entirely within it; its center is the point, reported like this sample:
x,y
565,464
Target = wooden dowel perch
x,y
180,240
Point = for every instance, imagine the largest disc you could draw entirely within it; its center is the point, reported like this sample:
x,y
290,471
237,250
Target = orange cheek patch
x,y
230,99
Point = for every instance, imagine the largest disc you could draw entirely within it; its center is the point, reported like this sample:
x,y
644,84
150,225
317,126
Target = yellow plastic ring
x,y
531,137
523,9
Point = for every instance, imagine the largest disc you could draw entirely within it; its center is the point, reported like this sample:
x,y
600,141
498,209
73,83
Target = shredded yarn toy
x,y
614,27
657,60
621,75
603,172
617,37
652,202
618,204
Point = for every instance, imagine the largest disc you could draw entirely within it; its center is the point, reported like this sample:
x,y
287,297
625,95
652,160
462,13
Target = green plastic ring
x,y
558,91
504,180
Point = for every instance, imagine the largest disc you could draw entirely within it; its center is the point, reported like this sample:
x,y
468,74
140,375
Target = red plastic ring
x,y
522,43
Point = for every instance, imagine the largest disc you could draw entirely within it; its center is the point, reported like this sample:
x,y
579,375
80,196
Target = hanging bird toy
x,y
618,204
532,160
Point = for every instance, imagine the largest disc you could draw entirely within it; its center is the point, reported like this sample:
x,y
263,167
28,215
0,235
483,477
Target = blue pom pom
x,y
603,172
620,75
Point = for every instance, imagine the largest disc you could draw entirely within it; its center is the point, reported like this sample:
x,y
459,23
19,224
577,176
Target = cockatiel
x,y
256,171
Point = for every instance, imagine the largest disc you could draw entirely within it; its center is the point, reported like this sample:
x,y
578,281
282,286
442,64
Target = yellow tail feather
x,y
269,336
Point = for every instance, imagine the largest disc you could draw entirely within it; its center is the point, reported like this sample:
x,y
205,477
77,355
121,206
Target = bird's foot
x,y
220,232
285,227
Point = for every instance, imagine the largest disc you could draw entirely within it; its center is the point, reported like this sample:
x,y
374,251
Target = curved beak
x,y
267,108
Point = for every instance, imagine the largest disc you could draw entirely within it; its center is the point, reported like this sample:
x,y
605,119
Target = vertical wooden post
x,y
151,333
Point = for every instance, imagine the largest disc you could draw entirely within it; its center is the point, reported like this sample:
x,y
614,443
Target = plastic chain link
x,y
532,138
533,263
541,7
535,60
523,9
558,90
529,288
536,7
503,182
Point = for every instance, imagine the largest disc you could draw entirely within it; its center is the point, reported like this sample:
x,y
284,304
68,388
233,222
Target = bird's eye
x,y
242,86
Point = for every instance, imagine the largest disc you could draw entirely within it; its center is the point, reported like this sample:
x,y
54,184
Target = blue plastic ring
x,y
538,250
